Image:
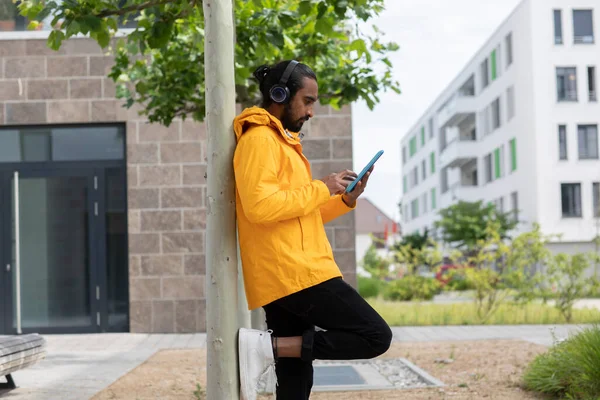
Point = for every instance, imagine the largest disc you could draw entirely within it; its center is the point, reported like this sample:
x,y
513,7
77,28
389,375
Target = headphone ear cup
x,y
279,94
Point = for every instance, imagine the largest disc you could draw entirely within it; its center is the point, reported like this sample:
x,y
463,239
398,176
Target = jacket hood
x,y
257,116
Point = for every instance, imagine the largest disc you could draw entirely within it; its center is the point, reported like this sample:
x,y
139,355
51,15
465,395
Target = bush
x,y
412,287
370,287
569,369
458,281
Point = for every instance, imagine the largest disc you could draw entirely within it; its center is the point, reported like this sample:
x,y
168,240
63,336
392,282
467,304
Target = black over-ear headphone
x,y
280,93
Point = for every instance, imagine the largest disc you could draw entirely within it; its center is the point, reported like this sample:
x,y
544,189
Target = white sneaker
x,y
257,363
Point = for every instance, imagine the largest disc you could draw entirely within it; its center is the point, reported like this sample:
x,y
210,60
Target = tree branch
x,y
132,8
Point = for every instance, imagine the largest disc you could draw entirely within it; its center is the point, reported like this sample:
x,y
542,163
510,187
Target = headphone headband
x,y
288,72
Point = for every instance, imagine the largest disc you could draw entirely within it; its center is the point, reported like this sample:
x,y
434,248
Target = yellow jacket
x,y
281,211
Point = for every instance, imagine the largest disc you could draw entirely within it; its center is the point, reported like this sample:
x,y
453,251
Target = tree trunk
x,y
221,243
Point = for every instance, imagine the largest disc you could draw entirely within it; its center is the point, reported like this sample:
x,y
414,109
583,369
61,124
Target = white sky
x,y
436,38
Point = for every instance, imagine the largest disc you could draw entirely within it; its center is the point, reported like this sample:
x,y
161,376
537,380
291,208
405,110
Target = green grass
x,y
430,314
570,369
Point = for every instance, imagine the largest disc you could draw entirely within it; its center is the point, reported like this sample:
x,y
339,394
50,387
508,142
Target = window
x,y
566,83
558,37
422,136
415,177
414,208
496,114
444,180
562,142
591,72
484,121
425,204
405,184
513,154
62,143
509,49
433,199
432,162
587,140
514,200
485,80
424,169
406,213
487,164
570,194
583,27
493,65
403,155
431,133
499,203
510,103
596,199
413,146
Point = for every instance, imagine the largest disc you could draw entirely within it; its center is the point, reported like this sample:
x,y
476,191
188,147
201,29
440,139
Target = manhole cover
x,y
375,374
337,375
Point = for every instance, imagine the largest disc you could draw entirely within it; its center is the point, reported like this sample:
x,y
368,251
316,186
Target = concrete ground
x,y
79,366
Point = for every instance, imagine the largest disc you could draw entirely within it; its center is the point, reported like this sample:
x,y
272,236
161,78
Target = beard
x,y
289,122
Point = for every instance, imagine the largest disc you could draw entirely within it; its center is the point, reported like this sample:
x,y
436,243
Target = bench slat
x,y
18,364
10,341
17,356
19,367
17,348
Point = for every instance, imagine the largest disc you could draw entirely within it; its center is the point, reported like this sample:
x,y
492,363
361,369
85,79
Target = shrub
x,y
412,287
370,287
569,369
458,281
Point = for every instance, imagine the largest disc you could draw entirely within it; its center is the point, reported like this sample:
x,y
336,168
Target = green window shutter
x,y
416,208
513,154
497,163
494,70
413,146
422,136
405,185
432,162
433,203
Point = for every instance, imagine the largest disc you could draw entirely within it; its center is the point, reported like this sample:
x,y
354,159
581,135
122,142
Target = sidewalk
x,y
79,366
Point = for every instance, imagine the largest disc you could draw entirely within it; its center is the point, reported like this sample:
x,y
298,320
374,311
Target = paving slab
x,y
79,366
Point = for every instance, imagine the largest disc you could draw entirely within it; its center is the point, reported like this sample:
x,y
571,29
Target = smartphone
x,y
364,171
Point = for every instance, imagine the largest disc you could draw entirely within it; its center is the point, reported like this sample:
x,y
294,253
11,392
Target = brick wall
x,y
165,172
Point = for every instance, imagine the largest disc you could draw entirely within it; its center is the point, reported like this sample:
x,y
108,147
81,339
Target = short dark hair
x,y
268,76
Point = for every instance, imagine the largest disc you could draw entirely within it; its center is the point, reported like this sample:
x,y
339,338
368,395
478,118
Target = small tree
x,y
377,266
465,224
501,268
566,274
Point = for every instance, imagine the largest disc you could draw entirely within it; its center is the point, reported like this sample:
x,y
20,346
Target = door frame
x,y
94,171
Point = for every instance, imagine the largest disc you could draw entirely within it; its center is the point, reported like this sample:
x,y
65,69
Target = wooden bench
x,y
19,352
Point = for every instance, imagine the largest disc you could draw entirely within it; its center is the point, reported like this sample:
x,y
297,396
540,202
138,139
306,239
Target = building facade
x,y
102,213
517,127
374,227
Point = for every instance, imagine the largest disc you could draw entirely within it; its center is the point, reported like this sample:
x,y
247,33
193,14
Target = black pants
x,y
352,330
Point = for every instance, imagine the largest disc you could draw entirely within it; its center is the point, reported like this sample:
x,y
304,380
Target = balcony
x,y
458,153
456,109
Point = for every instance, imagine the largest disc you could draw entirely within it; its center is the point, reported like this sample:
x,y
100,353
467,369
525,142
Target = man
x,y
287,260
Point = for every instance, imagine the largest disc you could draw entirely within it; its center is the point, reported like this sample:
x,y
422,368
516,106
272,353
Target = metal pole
x,y
17,253
221,252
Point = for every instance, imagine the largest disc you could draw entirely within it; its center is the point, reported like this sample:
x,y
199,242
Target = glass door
x,y
50,274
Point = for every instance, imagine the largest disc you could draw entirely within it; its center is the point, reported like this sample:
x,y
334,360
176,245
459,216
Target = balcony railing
x,y
593,95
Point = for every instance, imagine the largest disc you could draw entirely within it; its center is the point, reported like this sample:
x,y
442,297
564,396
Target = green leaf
x,y
55,39
305,7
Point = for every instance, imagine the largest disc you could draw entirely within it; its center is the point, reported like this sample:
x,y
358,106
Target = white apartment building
x,y
517,127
